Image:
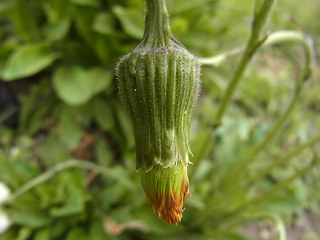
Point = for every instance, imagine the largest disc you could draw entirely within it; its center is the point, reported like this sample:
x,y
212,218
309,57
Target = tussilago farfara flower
x,y
159,84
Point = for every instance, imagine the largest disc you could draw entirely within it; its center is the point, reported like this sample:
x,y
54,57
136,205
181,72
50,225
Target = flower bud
x,y
159,84
167,189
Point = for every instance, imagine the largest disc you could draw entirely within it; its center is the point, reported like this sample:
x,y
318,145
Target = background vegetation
x,y
59,109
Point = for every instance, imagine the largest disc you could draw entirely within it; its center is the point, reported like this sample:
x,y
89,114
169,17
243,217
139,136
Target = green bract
x,y
159,83
159,88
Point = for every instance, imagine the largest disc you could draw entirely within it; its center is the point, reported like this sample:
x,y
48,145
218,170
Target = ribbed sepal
x,y
159,88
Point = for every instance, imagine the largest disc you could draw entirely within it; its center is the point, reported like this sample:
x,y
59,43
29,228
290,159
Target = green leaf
x,y
285,205
153,223
5,7
79,53
76,86
57,10
52,150
179,6
113,194
97,43
234,133
88,3
125,126
104,23
203,170
28,60
131,21
24,233
77,234
5,51
75,203
103,153
121,175
25,20
102,113
231,236
60,228
99,79
15,173
42,234
29,218
69,130
55,31
35,107
97,232
70,193
9,235
6,136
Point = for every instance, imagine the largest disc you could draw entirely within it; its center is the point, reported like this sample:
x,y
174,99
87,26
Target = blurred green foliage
x,y
58,57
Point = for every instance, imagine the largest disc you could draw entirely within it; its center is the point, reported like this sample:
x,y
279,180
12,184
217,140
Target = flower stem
x,y
254,42
303,75
60,167
157,27
284,36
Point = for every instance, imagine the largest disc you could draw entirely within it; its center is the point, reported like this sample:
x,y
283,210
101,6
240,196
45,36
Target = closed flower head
x,y
159,84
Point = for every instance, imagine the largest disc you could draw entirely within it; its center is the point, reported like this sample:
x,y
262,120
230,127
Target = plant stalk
x,y
60,167
254,42
283,36
157,28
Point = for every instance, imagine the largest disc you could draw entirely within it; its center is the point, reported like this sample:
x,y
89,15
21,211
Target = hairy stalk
x,y
283,36
64,166
226,185
254,42
157,29
279,37
218,59
303,75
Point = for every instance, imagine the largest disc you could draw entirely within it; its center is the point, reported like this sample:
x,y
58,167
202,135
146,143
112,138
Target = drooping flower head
x,y
159,84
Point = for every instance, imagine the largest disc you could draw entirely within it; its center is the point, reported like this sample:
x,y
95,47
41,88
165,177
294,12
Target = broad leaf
x,y
69,129
76,86
88,3
131,21
42,234
29,218
28,60
104,23
102,113
56,31
77,234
